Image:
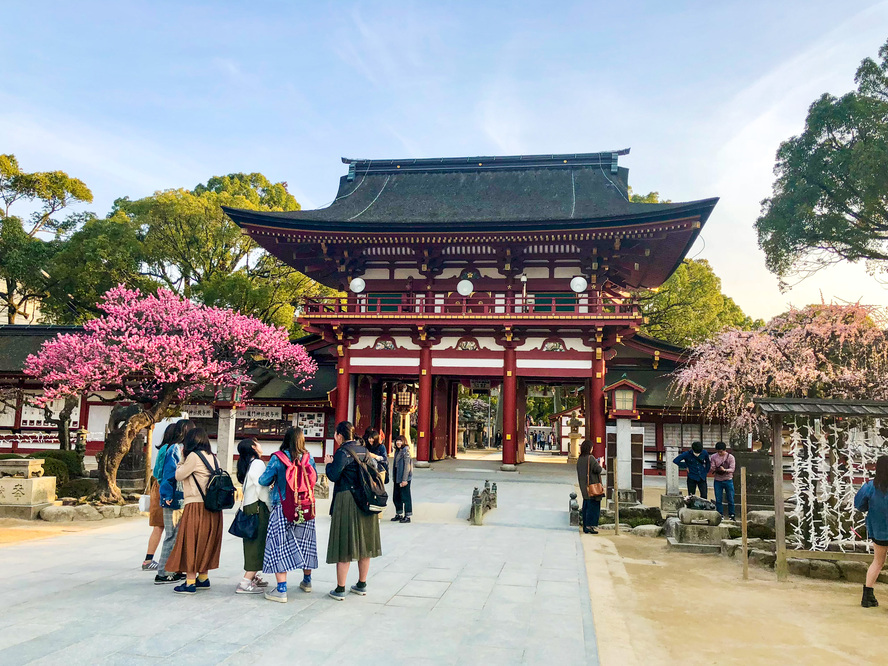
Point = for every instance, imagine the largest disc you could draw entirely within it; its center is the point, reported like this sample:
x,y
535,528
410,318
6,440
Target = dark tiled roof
x,y
17,342
273,387
818,407
656,384
476,193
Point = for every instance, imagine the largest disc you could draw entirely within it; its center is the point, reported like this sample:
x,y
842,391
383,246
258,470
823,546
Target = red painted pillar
x,y
510,409
424,418
454,419
595,407
390,419
342,385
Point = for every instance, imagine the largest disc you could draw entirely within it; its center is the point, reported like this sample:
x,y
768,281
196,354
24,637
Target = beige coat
x,y
192,471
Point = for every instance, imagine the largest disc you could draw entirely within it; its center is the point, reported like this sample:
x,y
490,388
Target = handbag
x,y
592,489
244,526
145,499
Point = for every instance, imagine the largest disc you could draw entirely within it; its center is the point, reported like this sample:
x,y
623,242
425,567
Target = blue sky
x,y
134,97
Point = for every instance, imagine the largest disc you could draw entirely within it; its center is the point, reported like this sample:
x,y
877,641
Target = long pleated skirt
x,y
354,535
198,542
289,547
254,549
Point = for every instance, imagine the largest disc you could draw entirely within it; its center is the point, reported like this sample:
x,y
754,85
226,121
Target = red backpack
x,y
299,501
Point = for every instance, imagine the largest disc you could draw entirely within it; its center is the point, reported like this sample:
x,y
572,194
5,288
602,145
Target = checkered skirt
x,y
289,547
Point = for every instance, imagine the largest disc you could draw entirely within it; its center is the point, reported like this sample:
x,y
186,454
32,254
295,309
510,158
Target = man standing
x,y
696,461
723,470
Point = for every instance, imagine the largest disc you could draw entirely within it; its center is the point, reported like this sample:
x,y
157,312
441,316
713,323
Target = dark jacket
x,y
875,503
343,471
381,465
697,466
588,471
403,465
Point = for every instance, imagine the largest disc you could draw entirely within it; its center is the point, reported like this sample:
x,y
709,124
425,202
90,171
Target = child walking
x,y
403,475
289,546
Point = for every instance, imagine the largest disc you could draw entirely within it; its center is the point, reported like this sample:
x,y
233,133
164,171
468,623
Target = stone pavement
x,y
511,591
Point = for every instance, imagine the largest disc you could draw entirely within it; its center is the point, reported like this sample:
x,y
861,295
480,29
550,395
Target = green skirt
x,y
354,535
254,549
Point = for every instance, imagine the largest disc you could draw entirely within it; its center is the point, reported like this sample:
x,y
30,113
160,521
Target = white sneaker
x,y
248,588
274,595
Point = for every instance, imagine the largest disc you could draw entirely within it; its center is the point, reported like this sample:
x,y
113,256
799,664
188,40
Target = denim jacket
x,y
275,475
875,503
168,486
697,466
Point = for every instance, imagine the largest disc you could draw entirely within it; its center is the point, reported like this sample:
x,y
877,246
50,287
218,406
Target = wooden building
x,y
510,269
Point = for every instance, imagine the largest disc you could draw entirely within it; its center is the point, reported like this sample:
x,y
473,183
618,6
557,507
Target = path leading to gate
x,y
511,591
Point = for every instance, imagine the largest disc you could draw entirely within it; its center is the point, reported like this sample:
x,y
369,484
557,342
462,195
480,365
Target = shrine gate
x,y
513,269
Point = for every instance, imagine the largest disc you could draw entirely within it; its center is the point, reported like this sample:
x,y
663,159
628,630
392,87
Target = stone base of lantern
x,y
24,498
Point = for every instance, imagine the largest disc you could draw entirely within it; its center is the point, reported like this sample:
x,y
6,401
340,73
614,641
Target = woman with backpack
x,y
873,498
354,534
168,458
199,540
290,545
255,503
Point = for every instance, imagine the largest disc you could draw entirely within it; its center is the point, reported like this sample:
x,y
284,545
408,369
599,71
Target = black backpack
x,y
369,493
220,489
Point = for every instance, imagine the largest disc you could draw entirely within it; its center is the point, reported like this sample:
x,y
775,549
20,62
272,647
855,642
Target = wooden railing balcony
x,y
501,308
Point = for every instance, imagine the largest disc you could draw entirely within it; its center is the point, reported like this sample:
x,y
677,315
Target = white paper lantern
x,y
465,287
357,285
578,284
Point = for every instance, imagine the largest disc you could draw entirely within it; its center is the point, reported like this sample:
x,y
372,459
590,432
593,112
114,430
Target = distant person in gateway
x,y
697,463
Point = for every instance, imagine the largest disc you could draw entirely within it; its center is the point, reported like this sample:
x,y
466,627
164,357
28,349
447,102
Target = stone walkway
x,y
511,591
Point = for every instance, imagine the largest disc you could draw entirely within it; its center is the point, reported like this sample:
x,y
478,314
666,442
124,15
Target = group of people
x,y
872,497
192,543
699,463
696,461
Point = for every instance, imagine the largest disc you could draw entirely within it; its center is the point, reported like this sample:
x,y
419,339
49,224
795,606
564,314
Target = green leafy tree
x,y
690,307
830,198
191,247
101,254
24,254
650,197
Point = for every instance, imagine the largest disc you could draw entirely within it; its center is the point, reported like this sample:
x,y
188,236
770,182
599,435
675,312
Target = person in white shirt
x,y
256,502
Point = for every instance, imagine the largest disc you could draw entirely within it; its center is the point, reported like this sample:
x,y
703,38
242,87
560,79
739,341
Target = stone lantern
x,y
405,404
622,399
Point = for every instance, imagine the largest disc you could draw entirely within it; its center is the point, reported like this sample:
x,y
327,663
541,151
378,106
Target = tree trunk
x,y
124,424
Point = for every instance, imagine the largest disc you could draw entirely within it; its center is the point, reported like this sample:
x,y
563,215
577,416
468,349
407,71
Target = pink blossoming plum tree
x,y
820,351
154,351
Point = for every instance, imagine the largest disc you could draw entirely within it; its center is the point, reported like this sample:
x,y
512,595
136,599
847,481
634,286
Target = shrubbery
x,y
56,468
632,522
73,460
9,456
76,488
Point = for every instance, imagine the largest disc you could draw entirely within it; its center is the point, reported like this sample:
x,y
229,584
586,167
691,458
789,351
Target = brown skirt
x,y
198,542
155,511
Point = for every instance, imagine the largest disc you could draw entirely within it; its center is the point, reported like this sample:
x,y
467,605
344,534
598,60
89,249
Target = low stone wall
x,y
762,552
63,514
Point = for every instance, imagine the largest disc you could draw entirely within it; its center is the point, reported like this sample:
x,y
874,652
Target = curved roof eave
x,y
303,221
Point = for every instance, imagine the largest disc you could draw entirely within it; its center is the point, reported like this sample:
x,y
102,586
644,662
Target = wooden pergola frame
x,y
775,409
